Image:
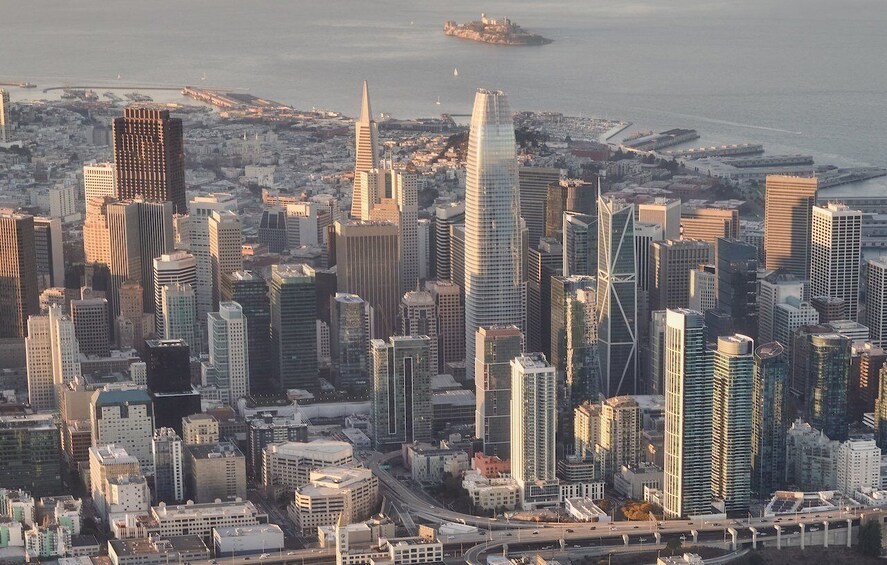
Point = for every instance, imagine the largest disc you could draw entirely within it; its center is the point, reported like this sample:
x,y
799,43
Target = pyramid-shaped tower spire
x,y
366,114
366,151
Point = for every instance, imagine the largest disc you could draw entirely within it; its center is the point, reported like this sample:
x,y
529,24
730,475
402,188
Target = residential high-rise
x,y
368,265
620,433
775,289
200,209
178,314
737,284
876,300
251,291
731,432
788,317
98,180
533,430
494,287
293,334
5,119
580,244
124,418
178,267
169,467
49,252
400,405
881,409
702,288
835,248
349,342
418,317
708,224
444,218
657,352
769,423
52,355
229,351
571,195
149,156
496,346
669,275
865,365
18,275
450,322
225,242
533,183
617,297
366,149
829,375
543,263
573,334
663,211
92,326
587,431
788,207
688,416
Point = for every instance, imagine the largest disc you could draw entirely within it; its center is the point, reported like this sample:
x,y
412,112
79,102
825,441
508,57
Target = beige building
x,y
587,429
225,241
450,322
199,429
620,430
289,465
788,207
200,519
334,493
835,255
491,493
215,471
107,462
669,274
708,224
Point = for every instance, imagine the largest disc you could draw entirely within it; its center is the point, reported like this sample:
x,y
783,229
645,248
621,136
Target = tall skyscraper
x,y
829,375
49,252
124,251
168,376
788,207
836,245
688,416
445,217
349,342
251,291
450,322
149,157
18,275
876,300
580,244
620,433
533,430
617,297
702,288
178,267
130,325
366,149
225,242
98,180
200,209
572,195
418,317
229,351
293,327
390,195
400,403
708,224
52,355
533,183
272,230
169,467
124,417
543,263
731,432
737,284
5,120
663,211
881,409
496,346
669,273
156,238
573,335
92,326
775,289
769,418
494,289
178,314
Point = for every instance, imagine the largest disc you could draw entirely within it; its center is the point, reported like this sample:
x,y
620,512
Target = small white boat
x,y
438,101
455,72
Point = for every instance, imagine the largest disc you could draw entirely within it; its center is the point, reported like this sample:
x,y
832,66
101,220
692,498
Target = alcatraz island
x,y
496,32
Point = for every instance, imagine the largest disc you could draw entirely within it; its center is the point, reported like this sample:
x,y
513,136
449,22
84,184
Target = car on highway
x,y
570,530
535,532
683,537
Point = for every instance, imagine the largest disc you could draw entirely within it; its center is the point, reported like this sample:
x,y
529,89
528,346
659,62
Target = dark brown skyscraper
x,y
18,274
150,157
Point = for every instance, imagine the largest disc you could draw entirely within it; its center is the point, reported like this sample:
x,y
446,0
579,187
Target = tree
x,y
870,539
637,510
674,545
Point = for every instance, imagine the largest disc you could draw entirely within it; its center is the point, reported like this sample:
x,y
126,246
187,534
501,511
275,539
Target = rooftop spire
x,y
366,115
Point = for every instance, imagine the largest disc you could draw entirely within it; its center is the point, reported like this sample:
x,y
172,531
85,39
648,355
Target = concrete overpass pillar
x,y
778,529
754,537
695,534
825,531
658,537
625,538
733,537
849,532
803,530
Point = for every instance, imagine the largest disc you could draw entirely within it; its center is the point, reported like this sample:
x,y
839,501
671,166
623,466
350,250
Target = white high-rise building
x,y
533,429
702,289
835,247
876,301
617,297
418,317
5,121
225,248
732,421
98,180
423,246
169,467
494,285
859,466
199,211
366,150
228,351
774,289
178,314
53,357
301,224
124,417
688,416
172,268
663,211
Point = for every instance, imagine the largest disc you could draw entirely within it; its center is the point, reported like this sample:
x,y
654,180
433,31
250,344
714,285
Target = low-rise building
x,y
200,428
265,538
870,497
491,493
585,510
215,471
18,506
289,465
62,510
126,494
334,492
685,559
429,464
630,481
43,542
265,429
156,551
791,502
490,466
200,519
414,550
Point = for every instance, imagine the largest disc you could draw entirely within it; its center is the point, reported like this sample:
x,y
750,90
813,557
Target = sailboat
x,y
438,101
455,72
203,77
118,76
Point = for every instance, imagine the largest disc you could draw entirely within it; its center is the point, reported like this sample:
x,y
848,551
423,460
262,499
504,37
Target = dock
x,y
738,150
